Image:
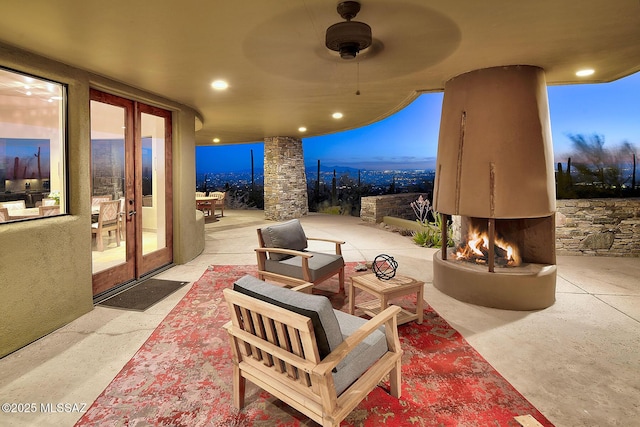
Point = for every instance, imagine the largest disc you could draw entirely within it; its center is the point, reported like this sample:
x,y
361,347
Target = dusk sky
x,y
409,138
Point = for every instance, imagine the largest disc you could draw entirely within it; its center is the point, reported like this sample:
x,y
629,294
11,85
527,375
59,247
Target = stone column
x,y
285,180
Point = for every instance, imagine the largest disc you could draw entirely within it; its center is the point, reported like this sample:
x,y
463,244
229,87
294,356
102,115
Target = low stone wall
x,y
606,227
374,208
609,227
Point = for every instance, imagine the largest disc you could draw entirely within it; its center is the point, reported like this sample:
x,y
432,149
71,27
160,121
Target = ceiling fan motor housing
x,y
349,37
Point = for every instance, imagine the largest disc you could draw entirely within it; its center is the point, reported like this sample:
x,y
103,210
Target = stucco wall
x,y
45,264
45,270
609,227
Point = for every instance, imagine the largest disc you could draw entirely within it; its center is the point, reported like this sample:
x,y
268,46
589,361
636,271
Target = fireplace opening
x,y
505,243
477,247
502,263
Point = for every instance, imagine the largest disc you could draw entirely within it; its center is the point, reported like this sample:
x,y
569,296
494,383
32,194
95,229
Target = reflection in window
x,y
32,147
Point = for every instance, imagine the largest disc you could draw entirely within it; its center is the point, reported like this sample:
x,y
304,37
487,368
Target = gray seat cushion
x,y
320,265
317,307
287,235
360,358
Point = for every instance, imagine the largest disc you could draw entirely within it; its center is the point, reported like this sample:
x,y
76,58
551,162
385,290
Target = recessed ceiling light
x,y
302,129
337,115
585,72
216,140
219,85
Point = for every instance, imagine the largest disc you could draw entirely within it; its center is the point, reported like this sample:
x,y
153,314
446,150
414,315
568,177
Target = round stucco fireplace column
x,y
495,170
285,180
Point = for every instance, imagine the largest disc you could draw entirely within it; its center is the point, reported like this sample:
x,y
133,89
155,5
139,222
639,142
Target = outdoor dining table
x,y
205,203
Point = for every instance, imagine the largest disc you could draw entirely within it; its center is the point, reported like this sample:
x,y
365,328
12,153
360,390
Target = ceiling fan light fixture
x,y
349,37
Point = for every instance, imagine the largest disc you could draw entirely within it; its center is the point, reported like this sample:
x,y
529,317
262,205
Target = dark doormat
x,y
143,295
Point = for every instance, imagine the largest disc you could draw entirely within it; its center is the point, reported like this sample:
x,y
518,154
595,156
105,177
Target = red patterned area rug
x,y
182,375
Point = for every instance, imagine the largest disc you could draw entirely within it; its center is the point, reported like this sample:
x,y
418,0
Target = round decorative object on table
x,y
384,267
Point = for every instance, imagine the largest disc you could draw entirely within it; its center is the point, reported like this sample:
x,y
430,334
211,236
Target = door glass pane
x,y
108,224
154,235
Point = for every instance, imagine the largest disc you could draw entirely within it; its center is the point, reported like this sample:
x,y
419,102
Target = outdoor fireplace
x,y
495,170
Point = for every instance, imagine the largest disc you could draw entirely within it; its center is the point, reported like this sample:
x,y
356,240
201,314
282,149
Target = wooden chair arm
x,y
338,243
388,316
286,280
285,252
305,288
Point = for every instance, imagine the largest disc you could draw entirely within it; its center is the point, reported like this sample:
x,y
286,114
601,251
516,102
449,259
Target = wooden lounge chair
x,y
282,256
318,360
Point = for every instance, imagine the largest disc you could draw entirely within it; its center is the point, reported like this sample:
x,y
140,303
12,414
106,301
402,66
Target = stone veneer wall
x,y
608,227
285,181
374,208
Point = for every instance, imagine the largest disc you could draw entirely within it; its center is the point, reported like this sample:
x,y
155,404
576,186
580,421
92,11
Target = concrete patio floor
x,y
577,361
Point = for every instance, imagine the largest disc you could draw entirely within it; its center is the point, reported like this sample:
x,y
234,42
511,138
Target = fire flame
x,y
476,249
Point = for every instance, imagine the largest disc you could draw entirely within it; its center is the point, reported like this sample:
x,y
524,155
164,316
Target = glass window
x,y
32,147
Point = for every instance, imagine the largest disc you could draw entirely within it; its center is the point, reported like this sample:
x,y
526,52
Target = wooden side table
x,y
385,290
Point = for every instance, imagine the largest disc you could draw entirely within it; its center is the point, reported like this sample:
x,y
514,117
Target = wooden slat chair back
x,y
276,349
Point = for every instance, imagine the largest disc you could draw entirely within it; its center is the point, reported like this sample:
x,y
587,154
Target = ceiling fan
x,y
349,37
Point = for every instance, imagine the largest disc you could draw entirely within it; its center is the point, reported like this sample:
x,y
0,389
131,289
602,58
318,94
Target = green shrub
x,y
430,235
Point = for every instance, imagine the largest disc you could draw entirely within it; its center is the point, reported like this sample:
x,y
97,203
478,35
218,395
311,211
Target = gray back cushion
x,y
317,307
287,235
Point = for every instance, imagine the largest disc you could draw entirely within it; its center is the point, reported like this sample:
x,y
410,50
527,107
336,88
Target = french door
x,y
130,164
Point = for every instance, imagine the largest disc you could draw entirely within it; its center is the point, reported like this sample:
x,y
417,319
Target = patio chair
x,y
49,210
122,219
218,201
96,200
320,361
282,256
14,205
107,221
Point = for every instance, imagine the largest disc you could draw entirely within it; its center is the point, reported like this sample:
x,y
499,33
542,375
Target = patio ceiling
x,y
282,77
